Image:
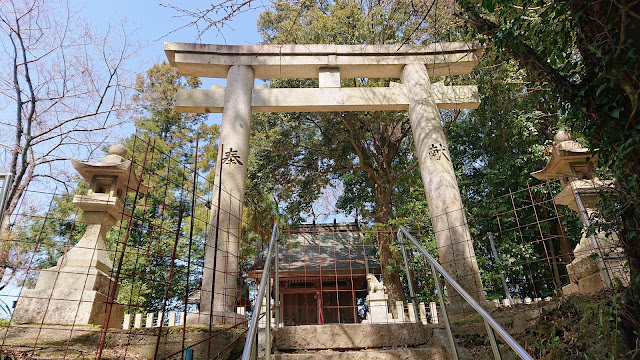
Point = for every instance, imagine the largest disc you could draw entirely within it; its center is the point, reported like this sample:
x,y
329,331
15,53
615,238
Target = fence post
x,y
149,323
267,330
433,310
495,257
423,313
412,312
400,310
278,311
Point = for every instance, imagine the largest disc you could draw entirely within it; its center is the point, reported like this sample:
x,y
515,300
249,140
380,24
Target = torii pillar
x,y
329,63
218,302
448,219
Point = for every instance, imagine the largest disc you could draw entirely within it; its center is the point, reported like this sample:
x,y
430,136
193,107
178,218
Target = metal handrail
x,y
265,287
490,322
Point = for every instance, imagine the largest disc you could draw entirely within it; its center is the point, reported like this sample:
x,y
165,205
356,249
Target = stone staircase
x,y
358,341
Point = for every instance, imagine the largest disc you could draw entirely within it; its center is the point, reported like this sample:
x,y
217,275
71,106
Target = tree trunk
x,y
4,248
5,231
554,261
629,237
389,259
390,269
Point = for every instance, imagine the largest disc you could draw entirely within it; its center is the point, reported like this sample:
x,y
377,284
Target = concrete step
x,y
393,354
351,336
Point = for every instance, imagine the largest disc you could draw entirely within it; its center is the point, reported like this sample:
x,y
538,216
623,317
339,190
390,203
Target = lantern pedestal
x,y
76,290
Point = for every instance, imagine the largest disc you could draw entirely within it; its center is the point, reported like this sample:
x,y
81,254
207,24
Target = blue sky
x,y
156,25
155,22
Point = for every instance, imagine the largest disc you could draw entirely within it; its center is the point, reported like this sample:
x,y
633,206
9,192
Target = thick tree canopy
x,y
369,152
169,166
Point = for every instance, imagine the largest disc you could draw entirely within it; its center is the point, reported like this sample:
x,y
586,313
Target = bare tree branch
x,y
217,16
66,80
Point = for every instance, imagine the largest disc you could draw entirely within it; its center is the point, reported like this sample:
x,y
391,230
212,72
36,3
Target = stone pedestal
x,y
453,240
378,301
585,270
598,257
76,290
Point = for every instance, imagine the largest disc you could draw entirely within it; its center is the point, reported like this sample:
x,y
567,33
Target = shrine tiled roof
x,y
330,248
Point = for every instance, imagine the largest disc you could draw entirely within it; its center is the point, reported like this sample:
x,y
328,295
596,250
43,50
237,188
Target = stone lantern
x,y
76,290
598,257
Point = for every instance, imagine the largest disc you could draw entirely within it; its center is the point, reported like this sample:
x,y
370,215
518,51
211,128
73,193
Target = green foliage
x,y
39,239
498,145
370,153
283,167
412,210
494,149
355,22
172,132
160,218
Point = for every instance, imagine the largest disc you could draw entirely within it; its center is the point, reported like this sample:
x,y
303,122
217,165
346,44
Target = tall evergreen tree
x,y
164,215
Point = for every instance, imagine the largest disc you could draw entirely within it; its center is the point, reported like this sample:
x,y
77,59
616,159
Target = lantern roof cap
x,y
113,164
564,152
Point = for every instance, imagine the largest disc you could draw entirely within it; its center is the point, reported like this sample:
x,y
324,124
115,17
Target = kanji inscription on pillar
x,y
231,157
437,150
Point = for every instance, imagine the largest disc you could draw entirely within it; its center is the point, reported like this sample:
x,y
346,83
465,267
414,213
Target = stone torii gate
x,y
413,64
